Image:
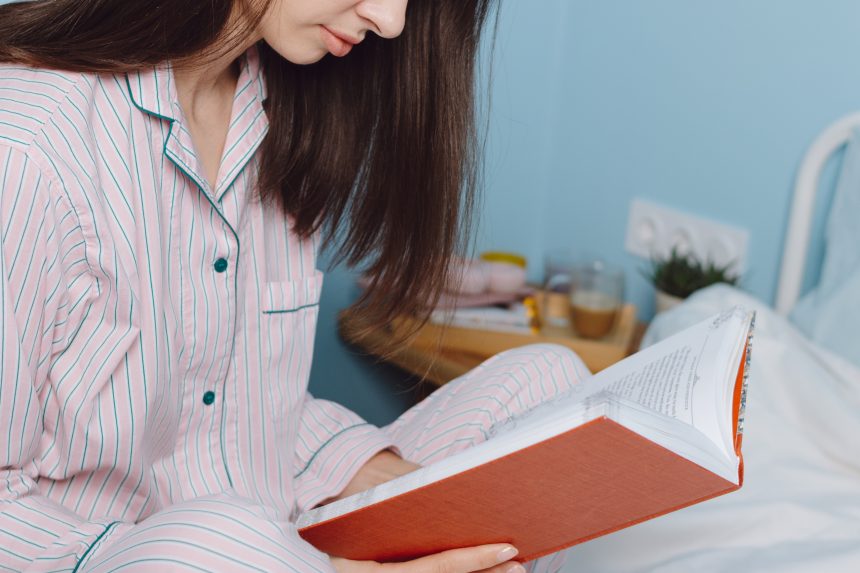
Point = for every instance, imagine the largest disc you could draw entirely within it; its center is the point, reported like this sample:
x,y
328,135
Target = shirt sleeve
x,y
333,443
40,239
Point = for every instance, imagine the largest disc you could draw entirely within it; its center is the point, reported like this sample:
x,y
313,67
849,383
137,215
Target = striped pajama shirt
x,y
156,336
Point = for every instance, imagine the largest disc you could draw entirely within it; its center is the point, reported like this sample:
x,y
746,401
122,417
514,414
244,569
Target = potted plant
x,y
679,275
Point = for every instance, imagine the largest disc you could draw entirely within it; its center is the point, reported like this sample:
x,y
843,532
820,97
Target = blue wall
x,y
703,106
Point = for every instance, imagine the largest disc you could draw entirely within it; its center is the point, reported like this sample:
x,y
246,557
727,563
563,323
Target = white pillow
x,y
830,313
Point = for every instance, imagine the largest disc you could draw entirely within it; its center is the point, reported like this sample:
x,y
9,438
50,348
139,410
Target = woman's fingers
x,y
465,560
509,567
342,565
492,558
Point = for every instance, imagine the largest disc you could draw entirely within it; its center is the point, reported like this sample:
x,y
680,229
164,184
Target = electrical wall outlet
x,y
654,230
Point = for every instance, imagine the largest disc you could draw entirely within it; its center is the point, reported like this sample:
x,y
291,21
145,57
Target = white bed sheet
x,y
799,508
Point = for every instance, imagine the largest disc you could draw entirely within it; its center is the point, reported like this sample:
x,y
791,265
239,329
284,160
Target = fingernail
x,y
507,553
515,568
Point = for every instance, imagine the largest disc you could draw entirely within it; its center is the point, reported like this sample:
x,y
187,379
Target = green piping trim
x,y
322,447
140,107
292,310
176,163
92,545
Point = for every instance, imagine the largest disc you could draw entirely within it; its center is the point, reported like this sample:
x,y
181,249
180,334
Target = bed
x,y
799,508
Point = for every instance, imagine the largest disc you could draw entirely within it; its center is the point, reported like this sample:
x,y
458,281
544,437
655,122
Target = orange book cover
x,y
586,482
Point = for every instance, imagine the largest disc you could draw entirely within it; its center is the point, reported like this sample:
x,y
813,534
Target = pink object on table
x,y
454,300
471,276
450,300
505,277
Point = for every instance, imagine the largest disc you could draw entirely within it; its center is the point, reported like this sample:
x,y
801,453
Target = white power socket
x,y
654,230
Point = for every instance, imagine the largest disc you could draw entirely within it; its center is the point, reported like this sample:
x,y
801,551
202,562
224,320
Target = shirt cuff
x,y
333,466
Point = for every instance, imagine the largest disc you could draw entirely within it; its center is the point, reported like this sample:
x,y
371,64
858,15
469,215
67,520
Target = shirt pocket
x,y
287,325
290,297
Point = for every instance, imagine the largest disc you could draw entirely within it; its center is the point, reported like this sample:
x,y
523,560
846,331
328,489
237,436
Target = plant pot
x,y
666,301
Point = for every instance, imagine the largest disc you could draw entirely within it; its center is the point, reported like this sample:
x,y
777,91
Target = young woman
x,y
166,170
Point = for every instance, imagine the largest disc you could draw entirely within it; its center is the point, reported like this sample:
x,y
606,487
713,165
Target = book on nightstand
x,y
654,433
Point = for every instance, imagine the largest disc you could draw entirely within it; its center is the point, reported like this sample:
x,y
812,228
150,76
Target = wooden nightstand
x,y
439,355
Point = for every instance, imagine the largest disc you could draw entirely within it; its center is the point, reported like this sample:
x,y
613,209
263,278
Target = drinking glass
x,y
596,295
559,267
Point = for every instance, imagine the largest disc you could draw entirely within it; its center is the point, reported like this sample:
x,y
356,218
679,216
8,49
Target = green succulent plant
x,y
681,274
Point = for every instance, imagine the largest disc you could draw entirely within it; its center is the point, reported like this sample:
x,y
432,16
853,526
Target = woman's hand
x,y
383,467
485,558
387,465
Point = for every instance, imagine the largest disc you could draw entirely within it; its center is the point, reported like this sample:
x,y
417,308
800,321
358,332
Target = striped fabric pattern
x,y
117,323
210,532
156,336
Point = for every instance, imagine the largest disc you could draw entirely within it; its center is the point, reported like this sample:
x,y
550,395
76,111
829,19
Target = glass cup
x,y
559,268
596,296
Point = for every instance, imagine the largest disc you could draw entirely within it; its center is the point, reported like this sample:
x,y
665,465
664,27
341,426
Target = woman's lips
x,y
338,45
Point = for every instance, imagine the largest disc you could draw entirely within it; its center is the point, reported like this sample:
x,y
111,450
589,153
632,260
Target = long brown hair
x,y
376,149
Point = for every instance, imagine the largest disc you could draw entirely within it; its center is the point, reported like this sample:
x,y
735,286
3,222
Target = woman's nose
x,y
386,16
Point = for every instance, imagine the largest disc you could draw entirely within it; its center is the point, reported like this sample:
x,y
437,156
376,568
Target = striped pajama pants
x,y
225,532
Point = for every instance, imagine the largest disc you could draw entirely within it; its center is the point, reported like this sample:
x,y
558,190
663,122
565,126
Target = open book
x,y
656,432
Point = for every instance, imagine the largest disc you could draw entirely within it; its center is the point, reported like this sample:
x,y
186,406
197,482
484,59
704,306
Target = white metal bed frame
x,y
802,209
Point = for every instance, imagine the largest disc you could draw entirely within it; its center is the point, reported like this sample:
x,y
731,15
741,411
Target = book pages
x,y
677,393
689,376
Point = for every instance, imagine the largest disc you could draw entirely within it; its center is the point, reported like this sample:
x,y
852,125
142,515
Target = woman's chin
x,y
301,56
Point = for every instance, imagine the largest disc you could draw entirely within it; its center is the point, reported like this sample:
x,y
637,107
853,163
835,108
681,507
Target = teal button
x,y
209,397
221,265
